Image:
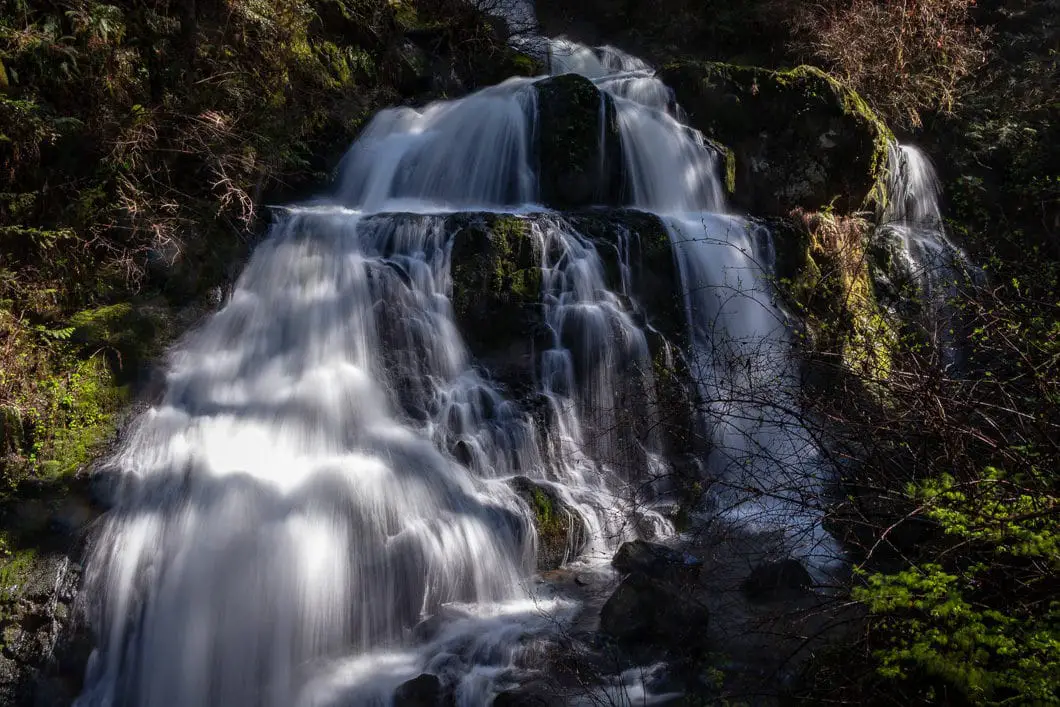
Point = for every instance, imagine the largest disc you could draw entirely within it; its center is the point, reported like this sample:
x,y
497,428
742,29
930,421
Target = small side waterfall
x,y
323,503
913,229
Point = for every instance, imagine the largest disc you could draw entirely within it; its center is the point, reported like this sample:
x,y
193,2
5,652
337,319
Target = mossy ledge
x,y
799,138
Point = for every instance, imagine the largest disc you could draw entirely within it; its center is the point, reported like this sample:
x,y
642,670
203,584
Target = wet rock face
x,y
655,284
797,138
45,648
578,144
561,532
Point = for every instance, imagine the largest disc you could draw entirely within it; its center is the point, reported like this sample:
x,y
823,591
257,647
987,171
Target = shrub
x,y
904,56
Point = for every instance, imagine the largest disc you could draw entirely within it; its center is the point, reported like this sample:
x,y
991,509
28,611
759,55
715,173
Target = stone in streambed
x,y
657,562
644,610
423,691
777,580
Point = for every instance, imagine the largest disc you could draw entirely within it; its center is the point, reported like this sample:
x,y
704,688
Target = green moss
x,y
512,271
82,418
496,280
407,15
822,271
525,65
799,137
548,520
15,568
730,170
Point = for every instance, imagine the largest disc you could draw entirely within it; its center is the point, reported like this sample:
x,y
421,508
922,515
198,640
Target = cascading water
x,y
771,478
296,504
912,218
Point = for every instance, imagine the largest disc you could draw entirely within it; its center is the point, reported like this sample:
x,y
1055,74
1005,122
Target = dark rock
x,y
650,611
579,158
561,532
776,580
656,562
44,650
798,138
73,516
535,694
423,691
496,274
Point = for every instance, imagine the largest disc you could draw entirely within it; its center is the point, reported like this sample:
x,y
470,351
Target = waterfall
x,y
912,227
768,468
321,505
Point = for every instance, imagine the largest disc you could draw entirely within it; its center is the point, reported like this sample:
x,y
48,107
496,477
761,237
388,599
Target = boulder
x,y
644,610
561,532
422,691
579,159
657,562
797,138
777,580
534,694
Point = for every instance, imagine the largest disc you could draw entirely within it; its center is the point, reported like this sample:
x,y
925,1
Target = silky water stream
x,y
319,507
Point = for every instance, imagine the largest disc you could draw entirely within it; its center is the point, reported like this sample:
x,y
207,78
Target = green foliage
x,y
81,418
957,626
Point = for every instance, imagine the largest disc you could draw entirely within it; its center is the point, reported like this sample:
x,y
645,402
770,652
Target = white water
x,y
928,258
293,507
768,472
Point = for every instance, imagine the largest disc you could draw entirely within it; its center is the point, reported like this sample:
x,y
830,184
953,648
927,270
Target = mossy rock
x,y
799,138
506,64
837,306
561,532
86,402
496,275
579,160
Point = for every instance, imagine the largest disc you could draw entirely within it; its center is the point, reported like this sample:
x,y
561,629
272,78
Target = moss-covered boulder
x,y
798,138
496,296
561,532
579,158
